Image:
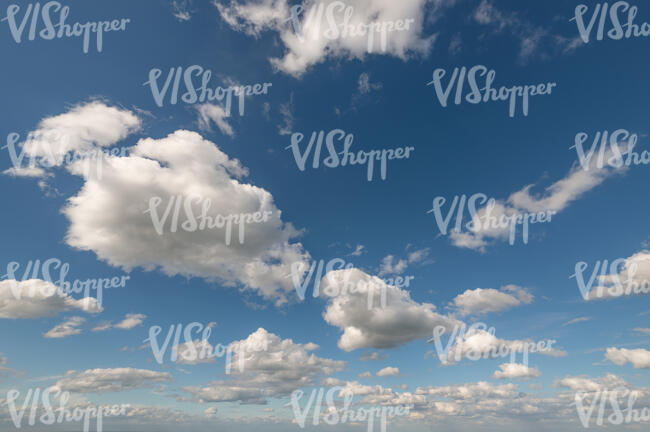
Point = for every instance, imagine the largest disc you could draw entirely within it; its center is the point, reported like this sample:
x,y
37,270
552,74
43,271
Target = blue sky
x,y
94,224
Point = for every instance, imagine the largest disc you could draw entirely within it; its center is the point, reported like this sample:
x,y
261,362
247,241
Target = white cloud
x,y
388,371
555,198
515,370
214,113
481,301
36,298
281,368
365,375
581,383
130,321
110,380
286,110
181,9
534,40
632,279
183,164
477,343
67,328
642,330
83,128
391,265
401,321
639,358
576,320
357,251
255,16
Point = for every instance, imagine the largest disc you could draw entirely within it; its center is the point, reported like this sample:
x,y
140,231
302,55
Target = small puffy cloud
x,y
639,358
482,301
365,375
110,380
67,328
210,412
642,330
391,265
130,321
388,371
36,298
515,370
402,320
183,165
